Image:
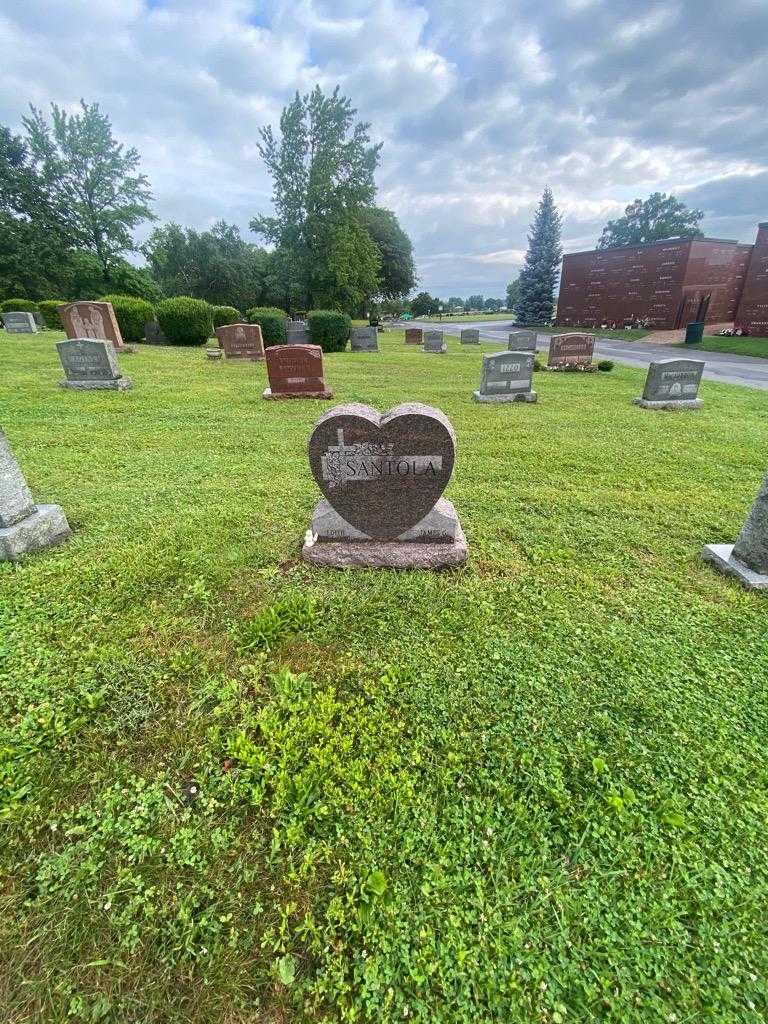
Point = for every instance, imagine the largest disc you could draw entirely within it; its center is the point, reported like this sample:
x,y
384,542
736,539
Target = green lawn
x,y
739,346
531,790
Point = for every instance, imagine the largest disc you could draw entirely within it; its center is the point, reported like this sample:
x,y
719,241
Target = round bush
x,y
329,329
225,315
132,314
49,309
272,323
185,321
19,306
606,365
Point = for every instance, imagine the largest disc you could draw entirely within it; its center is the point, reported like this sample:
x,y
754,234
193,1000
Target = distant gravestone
x,y
382,477
414,336
19,323
506,377
92,320
39,320
672,384
91,365
364,339
434,342
24,526
241,341
470,336
296,371
296,333
571,352
522,341
747,559
153,335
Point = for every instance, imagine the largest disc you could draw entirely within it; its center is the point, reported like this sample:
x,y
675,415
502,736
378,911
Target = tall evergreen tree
x,y
535,298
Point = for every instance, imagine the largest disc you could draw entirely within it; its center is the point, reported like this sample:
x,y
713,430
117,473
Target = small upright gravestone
x,y
364,339
434,342
20,323
24,526
382,477
296,371
241,341
747,559
92,320
506,377
470,336
522,341
296,333
571,352
672,384
153,335
414,336
91,365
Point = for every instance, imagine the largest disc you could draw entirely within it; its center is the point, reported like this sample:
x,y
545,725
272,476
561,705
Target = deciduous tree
x,y
658,216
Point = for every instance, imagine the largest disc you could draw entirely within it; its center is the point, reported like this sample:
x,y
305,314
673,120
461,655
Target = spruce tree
x,y
537,279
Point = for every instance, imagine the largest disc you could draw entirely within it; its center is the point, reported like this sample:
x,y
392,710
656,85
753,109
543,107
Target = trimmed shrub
x,y
49,308
606,365
225,315
19,306
131,314
184,320
329,329
272,323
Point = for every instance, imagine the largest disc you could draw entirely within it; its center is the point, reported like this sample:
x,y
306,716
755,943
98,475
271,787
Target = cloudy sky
x,y
479,105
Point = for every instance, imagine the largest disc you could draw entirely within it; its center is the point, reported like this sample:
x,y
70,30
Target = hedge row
x,y
131,314
19,306
272,323
223,315
329,329
185,321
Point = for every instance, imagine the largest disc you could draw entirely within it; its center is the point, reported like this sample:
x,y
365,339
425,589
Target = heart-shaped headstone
x,y
382,472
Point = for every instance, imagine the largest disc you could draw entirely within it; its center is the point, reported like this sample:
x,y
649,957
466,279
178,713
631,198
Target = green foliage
x,y
132,314
659,216
606,365
223,315
474,302
272,322
329,329
398,272
536,283
276,623
424,305
184,320
513,293
49,310
19,305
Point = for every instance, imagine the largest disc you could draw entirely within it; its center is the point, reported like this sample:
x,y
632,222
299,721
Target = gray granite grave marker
x,y
506,377
522,341
364,339
747,559
434,342
91,364
296,333
672,384
24,526
382,477
470,336
19,323
153,335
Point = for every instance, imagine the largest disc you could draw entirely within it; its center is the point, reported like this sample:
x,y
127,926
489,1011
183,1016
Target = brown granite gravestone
x,y
296,371
241,341
92,320
382,477
571,351
414,336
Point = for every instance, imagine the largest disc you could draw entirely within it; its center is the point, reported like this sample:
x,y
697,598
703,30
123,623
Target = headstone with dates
x,y
747,559
414,336
296,371
19,323
522,341
92,320
24,526
91,365
506,377
672,384
434,342
364,339
571,352
382,477
470,336
241,341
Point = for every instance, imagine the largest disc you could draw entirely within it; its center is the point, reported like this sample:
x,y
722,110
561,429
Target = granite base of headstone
x,y
91,365
382,477
295,371
506,377
24,526
747,559
434,342
470,336
672,384
364,339
19,323
571,353
522,341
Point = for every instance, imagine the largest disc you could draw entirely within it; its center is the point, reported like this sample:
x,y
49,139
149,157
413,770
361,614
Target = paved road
x,y
724,367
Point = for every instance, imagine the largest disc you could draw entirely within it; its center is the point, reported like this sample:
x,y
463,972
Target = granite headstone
x,y
672,384
506,377
571,352
296,371
153,335
382,477
24,526
91,364
296,333
747,559
522,341
414,336
434,342
470,336
241,341
364,339
19,323
91,320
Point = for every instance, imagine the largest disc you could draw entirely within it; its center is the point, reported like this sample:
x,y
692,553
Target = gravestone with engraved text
x,y
91,365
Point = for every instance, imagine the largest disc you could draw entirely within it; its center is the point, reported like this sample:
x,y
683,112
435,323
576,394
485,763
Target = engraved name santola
x,y
361,463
